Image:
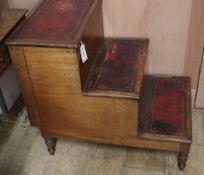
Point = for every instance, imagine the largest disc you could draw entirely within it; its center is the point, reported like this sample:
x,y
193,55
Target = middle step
x,y
118,69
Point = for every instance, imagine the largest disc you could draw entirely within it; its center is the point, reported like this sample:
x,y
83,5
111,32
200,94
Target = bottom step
x,y
165,111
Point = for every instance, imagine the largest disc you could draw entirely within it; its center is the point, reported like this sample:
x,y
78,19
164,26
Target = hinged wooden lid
x,y
8,19
55,23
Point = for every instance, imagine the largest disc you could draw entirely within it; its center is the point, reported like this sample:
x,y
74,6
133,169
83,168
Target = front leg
x,y
183,156
51,143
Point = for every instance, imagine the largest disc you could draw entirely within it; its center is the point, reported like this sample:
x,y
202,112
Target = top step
x,y
118,69
57,23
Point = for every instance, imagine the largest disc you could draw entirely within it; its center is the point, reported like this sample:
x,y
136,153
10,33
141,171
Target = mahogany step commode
x,y
103,98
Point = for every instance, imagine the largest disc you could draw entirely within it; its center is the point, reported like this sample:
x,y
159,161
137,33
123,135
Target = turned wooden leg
x,y
183,156
51,143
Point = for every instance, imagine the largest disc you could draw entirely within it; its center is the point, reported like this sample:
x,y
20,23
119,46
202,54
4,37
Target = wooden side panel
x,y
195,41
92,37
20,66
55,78
88,116
125,141
53,71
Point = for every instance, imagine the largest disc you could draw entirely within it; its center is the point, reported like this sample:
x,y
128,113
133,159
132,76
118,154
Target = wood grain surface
x,y
92,37
60,101
20,66
106,120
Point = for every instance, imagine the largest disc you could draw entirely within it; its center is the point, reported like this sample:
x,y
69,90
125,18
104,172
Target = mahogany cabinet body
x,y
53,79
56,105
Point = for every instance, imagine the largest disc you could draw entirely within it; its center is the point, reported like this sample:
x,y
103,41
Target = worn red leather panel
x,y
55,20
118,67
164,108
169,95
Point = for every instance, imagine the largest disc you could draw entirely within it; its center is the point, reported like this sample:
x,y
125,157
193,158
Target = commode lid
x,y
55,23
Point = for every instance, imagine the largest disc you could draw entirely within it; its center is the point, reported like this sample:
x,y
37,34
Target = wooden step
x,y
118,69
165,109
